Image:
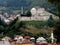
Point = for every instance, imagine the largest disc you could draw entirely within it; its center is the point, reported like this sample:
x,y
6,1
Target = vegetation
x,y
57,23
57,4
51,22
57,31
19,3
32,28
28,14
28,4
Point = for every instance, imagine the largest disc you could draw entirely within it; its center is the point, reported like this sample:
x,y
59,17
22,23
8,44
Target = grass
x,y
36,27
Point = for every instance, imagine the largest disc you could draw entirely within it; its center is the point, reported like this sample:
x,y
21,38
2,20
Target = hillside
x,y
27,4
20,3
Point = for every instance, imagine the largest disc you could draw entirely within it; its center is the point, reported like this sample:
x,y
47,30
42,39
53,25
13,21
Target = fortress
x,y
38,14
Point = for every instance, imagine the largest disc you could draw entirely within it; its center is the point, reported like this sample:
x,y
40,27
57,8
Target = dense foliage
x,y
28,14
57,4
28,4
17,27
57,31
57,23
50,22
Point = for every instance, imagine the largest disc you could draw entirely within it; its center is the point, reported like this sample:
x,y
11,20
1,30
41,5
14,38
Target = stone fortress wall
x,y
38,14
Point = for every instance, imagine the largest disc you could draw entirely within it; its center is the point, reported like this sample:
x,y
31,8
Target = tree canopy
x,y
57,4
57,23
50,21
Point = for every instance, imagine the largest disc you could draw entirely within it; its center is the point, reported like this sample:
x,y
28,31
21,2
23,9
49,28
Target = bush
x,y
1,36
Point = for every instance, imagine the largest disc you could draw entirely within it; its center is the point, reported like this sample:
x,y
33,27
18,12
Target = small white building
x,y
41,40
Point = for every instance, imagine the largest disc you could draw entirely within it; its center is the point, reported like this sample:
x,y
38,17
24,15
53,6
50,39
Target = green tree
x,y
13,22
1,28
57,4
1,36
57,24
14,28
57,31
28,14
11,28
50,21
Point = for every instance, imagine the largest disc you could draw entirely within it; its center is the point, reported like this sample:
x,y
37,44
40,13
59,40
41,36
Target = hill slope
x,y
27,4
